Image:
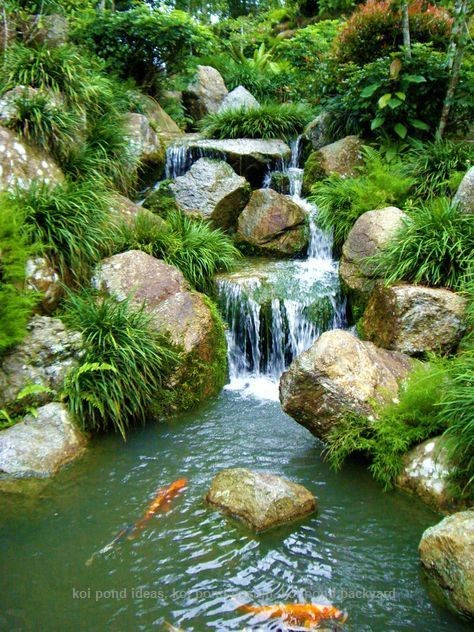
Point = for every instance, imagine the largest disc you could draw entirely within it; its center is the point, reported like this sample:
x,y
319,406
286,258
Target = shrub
x,y
397,428
268,121
125,367
375,29
434,247
70,220
341,201
192,245
16,303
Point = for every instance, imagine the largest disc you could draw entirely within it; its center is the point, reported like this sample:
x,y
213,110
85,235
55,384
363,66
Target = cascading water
x,y
275,310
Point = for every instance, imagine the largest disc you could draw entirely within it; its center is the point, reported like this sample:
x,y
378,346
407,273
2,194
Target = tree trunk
x,y
406,28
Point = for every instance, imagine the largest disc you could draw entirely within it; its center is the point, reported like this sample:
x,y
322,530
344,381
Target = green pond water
x,y
359,551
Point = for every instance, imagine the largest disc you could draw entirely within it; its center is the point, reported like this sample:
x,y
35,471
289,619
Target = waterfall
x,y
275,310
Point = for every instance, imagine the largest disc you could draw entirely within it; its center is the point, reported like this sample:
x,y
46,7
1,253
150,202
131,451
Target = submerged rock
x,y
22,165
43,359
465,194
342,157
370,234
213,190
239,97
425,473
273,223
446,554
185,315
205,93
414,319
340,374
261,500
40,445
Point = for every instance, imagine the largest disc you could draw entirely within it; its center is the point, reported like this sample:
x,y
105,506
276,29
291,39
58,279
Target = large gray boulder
x,y
425,473
273,224
370,234
447,556
161,121
414,319
249,157
340,374
22,165
175,310
261,500
40,445
213,190
240,97
145,146
343,158
205,93
465,194
43,359
317,132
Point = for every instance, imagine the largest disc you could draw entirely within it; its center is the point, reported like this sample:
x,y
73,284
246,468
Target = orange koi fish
x,y
304,614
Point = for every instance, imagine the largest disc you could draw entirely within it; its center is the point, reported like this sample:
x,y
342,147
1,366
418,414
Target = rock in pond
x,y
22,165
340,374
425,474
273,224
205,93
260,499
43,359
185,315
342,157
447,556
465,194
238,98
213,190
40,445
370,234
414,319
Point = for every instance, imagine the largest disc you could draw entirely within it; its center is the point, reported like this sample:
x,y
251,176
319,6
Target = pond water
x,y
358,552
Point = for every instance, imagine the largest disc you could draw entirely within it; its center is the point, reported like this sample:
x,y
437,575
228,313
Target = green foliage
x,y
396,429
434,247
341,201
16,303
269,121
70,220
438,166
145,44
125,367
190,244
22,405
375,29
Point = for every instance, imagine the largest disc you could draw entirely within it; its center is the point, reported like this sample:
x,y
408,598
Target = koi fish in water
x,y
161,501
307,615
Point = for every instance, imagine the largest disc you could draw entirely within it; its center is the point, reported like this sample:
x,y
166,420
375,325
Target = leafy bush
x,y
434,247
70,221
341,201
397,428
375,29
192,245
268,121
16,303
125,367
438,166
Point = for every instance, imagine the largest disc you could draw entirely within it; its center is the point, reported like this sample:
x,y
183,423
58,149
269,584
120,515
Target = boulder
x,y
205,93
342,157
317,132
240,97
213,190
414,319
43,359
340,374
175,310
46,30
425,474
370,234
146,146
446,554
273,224
160,120
465,194
261,500
124,211
40,445
22,165
250,158
42,277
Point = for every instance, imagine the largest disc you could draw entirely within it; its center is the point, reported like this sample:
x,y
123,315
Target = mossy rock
x,y
313,171
161,200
